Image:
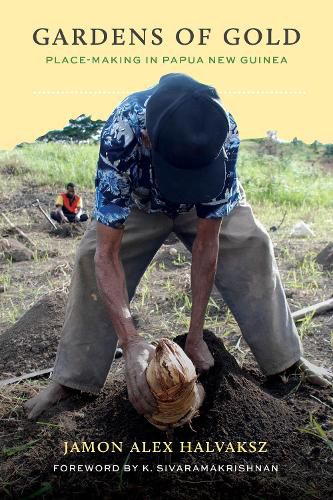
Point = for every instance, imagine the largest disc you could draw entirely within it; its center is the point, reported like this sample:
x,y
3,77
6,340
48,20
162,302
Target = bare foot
x,y
50,396
314,374
309,372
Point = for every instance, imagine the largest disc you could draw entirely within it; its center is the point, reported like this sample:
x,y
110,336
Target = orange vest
x,y
71,207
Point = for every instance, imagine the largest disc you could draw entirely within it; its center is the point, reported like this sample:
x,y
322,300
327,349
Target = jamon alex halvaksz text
x,y
166,447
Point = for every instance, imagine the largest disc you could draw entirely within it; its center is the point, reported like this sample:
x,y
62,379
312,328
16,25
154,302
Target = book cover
x,y
194,140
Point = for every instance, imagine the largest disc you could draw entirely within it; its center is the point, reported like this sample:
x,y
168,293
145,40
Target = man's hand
x,y
61,213
137,353
77,218
198,352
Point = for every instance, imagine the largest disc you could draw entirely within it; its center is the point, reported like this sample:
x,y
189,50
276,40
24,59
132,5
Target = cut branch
x,y
314,310
20,232
47,217
26,376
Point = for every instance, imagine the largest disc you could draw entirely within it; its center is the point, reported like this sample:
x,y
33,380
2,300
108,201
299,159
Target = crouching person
x,y
69,206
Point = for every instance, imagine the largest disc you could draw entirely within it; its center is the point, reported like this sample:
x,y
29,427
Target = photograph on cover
x,y
166,251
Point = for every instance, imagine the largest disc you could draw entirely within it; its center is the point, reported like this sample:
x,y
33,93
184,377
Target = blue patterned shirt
x,y
125,178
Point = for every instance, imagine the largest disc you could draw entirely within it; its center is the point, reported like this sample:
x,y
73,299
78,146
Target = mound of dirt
x,y
325,257
69,230
236,410
14,250
31,343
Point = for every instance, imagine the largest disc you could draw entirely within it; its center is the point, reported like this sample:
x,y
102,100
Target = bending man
x,y
167,163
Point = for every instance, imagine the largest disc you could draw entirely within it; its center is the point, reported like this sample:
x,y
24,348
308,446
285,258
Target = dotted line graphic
x,y
264,92
82,92
127,92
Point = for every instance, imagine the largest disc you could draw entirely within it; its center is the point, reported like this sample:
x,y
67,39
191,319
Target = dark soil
x,y
236,409
31,343
325,257
69,230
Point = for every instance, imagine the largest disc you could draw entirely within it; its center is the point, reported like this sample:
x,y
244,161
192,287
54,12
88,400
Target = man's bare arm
x,y
62,215
78,214
204,260
111,282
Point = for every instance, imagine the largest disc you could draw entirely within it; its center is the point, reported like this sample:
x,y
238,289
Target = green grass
x,y
317,431
306,327
50,164
278,179
8,452
5,281
10,313
306,274
291,174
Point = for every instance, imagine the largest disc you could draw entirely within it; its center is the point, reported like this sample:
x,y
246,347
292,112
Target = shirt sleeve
x,y
118,153
59,201
223,204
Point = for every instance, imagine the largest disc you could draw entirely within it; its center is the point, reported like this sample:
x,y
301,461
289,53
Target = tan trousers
x,y
247,278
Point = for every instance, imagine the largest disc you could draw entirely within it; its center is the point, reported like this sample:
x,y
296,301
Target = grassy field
x,y
292,179
292,174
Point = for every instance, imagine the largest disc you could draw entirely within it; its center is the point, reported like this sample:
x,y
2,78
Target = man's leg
x,y
70,217
88,341
55,216
248,279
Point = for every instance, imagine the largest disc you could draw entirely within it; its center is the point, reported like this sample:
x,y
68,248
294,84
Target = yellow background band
x,y
301,107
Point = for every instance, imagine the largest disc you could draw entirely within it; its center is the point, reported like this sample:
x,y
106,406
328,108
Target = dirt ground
x,y
241,405
238,408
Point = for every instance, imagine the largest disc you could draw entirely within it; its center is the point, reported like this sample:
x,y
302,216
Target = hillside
x,y
285,173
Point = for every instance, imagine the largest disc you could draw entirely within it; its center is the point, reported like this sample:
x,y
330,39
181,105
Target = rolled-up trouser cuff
x,y
78,387
275,370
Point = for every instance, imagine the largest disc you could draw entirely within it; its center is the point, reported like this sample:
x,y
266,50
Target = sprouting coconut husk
x,y
172,379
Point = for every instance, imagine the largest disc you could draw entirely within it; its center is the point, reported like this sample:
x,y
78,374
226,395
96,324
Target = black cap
x,y
187,127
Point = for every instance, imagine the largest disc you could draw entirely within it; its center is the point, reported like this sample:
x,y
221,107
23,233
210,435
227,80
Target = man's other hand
x,y
137,354
198,352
